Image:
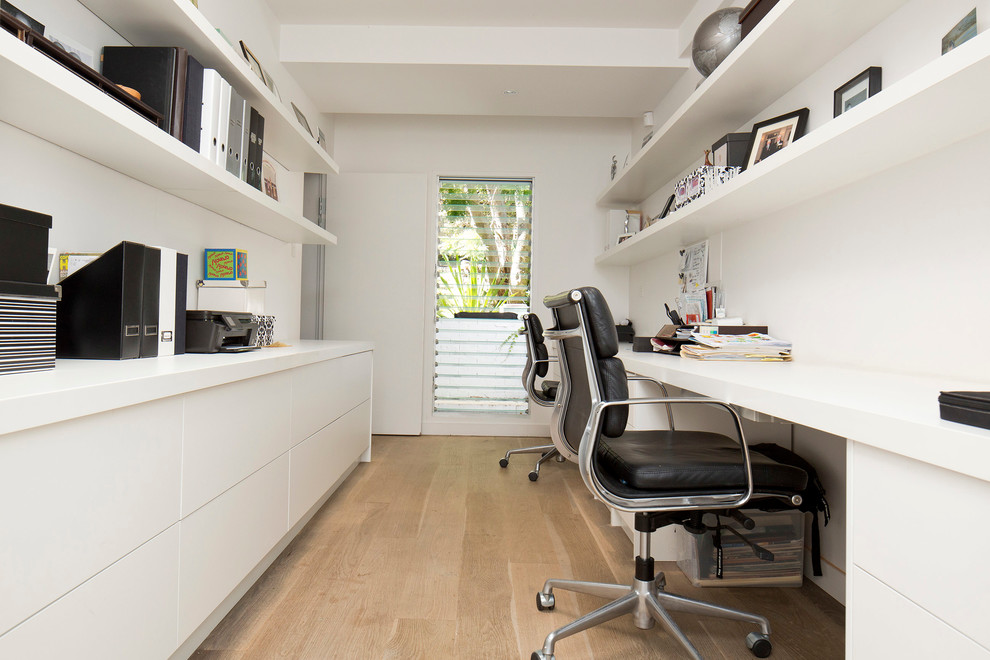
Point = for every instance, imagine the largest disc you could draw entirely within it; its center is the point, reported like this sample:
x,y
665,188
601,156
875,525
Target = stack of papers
x,y
754,347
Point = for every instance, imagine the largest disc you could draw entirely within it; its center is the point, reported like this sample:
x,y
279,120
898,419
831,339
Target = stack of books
x,y
753,347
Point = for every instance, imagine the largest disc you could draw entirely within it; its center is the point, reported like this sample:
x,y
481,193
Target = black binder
x,y
99,316
181,277
150,285
192,112
254,149
158,72
971,408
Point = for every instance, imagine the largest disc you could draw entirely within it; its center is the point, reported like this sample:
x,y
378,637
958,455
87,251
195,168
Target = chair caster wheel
x,y
544,602
759,644
503,462
540,655
534,475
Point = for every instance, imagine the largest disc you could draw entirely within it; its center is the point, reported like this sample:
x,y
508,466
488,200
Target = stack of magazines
x,y
754,347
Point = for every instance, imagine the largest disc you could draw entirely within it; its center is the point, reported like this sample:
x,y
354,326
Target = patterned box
x,y
702,180
225,264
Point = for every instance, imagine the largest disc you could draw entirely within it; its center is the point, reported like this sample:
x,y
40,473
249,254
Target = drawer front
x,y
224,540
127,611
230,432
324,391
913,529
77,496
885,624
321,459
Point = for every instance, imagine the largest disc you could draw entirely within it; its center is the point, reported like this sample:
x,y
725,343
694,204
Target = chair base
x,y
648,603
548,451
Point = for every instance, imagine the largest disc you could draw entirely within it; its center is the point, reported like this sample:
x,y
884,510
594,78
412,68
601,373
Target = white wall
x,y
846,276
569,159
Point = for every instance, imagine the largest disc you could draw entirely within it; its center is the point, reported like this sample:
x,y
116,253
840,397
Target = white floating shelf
x,y
56,105
794,40
179,23
901,123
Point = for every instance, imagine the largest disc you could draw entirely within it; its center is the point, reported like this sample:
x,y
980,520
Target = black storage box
x,y
23,245
753,13
971,408
730,150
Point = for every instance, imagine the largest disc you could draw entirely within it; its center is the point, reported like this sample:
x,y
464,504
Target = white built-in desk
x,y
140,499
918,488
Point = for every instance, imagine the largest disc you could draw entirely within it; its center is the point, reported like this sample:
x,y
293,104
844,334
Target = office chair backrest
x,y
536,347
586,306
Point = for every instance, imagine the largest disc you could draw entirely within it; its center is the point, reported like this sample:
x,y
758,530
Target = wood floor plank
x,y
433,550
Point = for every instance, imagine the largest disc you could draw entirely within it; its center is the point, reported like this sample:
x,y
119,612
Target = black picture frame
x,y
857,90
301,118
253,63
771,135
666,207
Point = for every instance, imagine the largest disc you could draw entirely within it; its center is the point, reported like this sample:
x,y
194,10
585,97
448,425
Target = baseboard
x,y
512,429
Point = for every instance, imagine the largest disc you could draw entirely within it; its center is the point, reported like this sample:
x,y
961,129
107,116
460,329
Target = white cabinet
x,y
126,611
323,392
77,496
894,627
324,457
913,529
224,540
126,529
231,431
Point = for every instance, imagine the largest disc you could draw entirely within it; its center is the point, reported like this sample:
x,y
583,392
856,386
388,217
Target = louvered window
x,y
484,230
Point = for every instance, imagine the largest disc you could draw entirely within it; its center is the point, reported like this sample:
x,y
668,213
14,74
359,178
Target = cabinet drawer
x,y
324,391
912,526
318,461
127,611
885,624
230,432
224,540
77,496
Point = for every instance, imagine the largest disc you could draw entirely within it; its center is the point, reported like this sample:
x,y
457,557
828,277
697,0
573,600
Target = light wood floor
x,y
433,551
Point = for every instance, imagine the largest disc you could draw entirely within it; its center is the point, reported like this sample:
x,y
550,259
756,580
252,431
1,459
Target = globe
x,y
715,38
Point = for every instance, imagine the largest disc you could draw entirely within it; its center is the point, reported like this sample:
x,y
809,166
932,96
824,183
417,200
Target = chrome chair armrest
x,y
663,388
589,443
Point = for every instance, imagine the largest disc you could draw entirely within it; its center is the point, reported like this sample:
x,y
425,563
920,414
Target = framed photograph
x,y
73,48
301,118
253,62
772,135
623,237
321,139
268,179
271,84
961,33
857,90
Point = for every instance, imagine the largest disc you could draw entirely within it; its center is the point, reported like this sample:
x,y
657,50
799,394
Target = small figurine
x,y
708,163
615,164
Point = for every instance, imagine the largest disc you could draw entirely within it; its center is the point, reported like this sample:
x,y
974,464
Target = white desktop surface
x,y
894,412
84,387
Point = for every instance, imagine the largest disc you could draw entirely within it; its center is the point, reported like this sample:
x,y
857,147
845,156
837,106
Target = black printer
x,y
220,332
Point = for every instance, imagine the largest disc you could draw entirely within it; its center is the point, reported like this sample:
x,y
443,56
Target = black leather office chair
x,y
665,477
537,366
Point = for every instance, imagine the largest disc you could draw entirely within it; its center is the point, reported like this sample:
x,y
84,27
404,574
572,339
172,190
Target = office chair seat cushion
x,y
663,463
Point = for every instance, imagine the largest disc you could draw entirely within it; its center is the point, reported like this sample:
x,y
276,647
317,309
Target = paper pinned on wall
x,y
693,274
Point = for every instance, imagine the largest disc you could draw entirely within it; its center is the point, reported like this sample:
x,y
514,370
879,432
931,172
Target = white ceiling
x,y
666,14
577,58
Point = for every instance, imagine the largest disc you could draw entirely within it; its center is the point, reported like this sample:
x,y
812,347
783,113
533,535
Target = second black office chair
x,y
537,366
665,477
